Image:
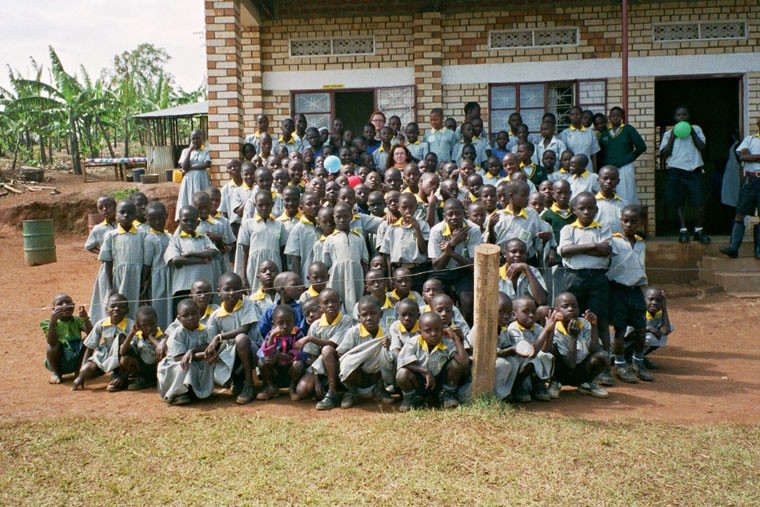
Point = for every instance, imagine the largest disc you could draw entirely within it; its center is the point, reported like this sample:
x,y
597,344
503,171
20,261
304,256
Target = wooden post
x,y
486,318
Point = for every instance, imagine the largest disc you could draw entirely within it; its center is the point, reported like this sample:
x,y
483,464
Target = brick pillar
x,y
428,59
225,91
753,101
253,101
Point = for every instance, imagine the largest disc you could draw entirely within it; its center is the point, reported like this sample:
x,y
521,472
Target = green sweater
x,y
622,149
557,221
537,175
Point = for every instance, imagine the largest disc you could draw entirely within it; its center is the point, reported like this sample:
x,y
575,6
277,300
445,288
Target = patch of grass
x,y
482,453
122,193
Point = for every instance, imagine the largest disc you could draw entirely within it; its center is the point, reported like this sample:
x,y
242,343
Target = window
x,y
317,107
696,30
397,101
336,46
533,38
533,100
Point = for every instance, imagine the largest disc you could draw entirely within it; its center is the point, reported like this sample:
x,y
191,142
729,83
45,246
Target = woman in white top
x,y
193,162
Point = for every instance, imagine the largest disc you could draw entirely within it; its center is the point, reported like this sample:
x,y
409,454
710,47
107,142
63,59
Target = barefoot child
x,y
234,337
345,253
122,253
303,235
107,209
280,363
102,353
266,295
63,332
156,241
431,364
138,352
578,357
184,372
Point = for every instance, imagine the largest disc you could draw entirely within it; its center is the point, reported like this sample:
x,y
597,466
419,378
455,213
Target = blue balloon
x,y
332,164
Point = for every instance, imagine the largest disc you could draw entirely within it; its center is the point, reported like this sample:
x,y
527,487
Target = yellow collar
x,y
523,328
562,170
564,213
560,326
415,328
381,148
447,230
424,345
286,218
427,309
157,232
658,314
281,139
353,231
232,183
503,271
593,225
120,229
258,295
306,221
258,218
210,220
583,175
184,234
245,186
395,295
218,215
200,327
619,130
158,334
600,197
531,165
635,236
207,312
364,333
415,142
387,304
312,292
522,212
121,325
474,198
323,322
222,311
582,129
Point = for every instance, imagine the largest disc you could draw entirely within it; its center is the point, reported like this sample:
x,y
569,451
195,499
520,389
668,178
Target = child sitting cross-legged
x,y
280,363
63,332
184,373
138,352
431,364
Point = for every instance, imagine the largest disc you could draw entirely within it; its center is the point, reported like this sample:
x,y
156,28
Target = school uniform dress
x,y
156,243
192,181
480,152
183,278
585,274
99,298
221,225
225,204
69,335
103,340
621,147
173,381
563,374
685,169
441,143
482,146
417,352
344,253
579,141
249,210
238,196
627,276
522,287
262,300
264,240
124,249
490,179
300,243
610,211
360,349
418,149
556,145
543,362
221,321
584,182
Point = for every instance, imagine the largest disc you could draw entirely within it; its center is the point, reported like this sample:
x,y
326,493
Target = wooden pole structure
x,y
486,318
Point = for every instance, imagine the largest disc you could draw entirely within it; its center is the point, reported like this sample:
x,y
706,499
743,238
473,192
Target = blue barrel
x,y
39,242
137,175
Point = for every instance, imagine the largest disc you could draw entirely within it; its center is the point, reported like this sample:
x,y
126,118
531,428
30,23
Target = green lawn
x,y
483,453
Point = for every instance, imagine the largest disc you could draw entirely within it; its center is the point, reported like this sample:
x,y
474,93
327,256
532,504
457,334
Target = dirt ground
x,y
709,373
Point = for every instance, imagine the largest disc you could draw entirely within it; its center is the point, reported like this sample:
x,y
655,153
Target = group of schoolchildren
x,y
358,283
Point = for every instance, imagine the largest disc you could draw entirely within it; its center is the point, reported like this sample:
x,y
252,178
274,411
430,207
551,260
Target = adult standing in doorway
x,y
684,162
377,119
622,144
193,162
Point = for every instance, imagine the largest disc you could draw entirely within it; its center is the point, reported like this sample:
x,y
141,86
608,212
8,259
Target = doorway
x,y
715,105
354,108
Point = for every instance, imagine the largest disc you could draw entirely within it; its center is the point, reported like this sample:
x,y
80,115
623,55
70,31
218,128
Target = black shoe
x,y
684,237
756,233
540,392
701,237
410,402
330,401
651,365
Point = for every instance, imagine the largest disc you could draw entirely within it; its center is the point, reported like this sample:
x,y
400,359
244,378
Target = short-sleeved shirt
x,y
68,332
146,351
522,288
238,197
583,341
627,262
522,225
576,234
245,312
466,248
380,156
610,211
400,242
417,352
356,335
325,330
579,141
518,333
441,143
260,234
105,332
400,336
584,182
556,145
751,143
181,340
685,155
301,239
418,149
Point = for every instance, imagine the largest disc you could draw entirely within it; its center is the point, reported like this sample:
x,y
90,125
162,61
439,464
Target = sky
x,y
92,32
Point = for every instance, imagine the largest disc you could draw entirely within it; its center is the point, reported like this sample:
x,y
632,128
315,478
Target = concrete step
x,y
738,282
747,248
710,267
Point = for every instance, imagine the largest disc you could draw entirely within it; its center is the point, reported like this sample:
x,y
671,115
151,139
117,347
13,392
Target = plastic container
x,y
39,242
177,176
137,175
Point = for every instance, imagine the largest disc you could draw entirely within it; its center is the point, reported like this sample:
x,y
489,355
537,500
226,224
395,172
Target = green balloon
x,y
682,129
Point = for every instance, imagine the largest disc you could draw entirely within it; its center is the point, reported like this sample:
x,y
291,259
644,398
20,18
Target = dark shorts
x,y
749,196
69,357
568,377
147,371
683,185
590,288
459,280
440,379
627,307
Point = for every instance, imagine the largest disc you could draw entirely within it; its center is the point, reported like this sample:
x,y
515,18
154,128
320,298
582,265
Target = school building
x,y
333,58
